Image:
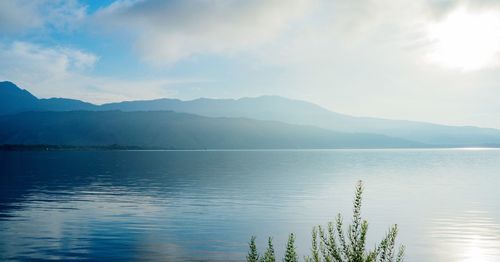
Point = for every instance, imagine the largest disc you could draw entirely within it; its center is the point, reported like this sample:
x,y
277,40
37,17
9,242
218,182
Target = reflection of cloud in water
x,y
89,221
472,237
188,205
76,223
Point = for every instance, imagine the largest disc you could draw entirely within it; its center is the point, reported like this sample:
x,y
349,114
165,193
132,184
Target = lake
x,y
205,205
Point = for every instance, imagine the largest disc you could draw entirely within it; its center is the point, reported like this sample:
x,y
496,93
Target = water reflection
x,y
471,237
187,206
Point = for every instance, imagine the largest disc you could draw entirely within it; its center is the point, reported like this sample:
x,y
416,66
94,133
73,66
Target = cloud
x,y
65,72
370,58
440,7
44,69
368,31
37,62
466,40
364,57
20,16
168,31
16,16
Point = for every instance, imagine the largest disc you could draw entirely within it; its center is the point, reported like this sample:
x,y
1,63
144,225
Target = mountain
x,y
171,130
300,112
64,104
270,108
14,100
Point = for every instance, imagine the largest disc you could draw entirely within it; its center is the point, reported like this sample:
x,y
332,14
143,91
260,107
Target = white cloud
x,y
19,16
369,58
364,57
16,16
35,62
65,72
466,40
168,31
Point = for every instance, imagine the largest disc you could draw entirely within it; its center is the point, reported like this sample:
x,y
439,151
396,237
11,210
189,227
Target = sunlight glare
x,y
466,41
474,252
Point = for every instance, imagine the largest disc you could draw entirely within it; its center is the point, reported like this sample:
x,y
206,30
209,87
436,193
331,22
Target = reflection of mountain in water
x,y
203,205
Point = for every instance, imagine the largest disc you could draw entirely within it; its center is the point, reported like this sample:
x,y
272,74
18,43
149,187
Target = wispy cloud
x,y
33,63
66,72
364,57
168,31
20,16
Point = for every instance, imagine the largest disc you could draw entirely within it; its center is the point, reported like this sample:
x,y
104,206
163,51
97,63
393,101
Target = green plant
x,y
290,252
315,256
252,256
269,255
332,244
336,246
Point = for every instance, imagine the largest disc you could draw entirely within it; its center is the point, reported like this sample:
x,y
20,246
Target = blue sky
x,y
428,60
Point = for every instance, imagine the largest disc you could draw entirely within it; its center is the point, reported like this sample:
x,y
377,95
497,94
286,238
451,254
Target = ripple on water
x,y
471,237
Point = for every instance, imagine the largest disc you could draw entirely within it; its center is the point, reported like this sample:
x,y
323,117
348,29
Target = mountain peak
x,y
7,85
14,99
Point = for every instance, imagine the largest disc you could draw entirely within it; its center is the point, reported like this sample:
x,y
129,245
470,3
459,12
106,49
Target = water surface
x,y
204,205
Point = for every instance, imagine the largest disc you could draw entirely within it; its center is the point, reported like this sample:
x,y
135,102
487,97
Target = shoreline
x,y
9,147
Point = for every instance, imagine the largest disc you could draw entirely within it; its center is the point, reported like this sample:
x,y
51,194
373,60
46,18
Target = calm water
x,y
204,205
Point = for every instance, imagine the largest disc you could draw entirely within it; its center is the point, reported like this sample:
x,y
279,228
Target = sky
x,y
427,60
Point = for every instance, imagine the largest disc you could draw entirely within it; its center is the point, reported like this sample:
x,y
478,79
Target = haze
x,y
435,61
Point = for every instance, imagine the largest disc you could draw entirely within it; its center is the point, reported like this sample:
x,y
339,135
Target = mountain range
x,y
171,130
260,122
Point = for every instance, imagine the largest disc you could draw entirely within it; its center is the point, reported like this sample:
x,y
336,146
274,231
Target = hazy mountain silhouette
x,y
272,108
166,129
14,100
300,112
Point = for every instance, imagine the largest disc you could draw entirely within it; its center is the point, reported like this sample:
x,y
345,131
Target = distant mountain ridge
x,y
15,100
304,113
271,108
171,130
